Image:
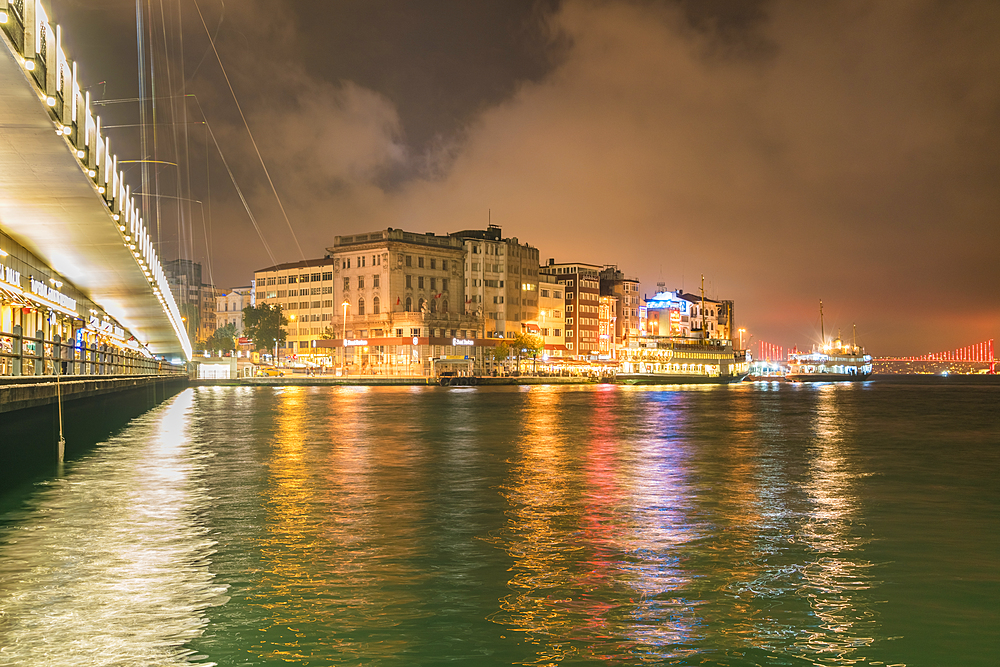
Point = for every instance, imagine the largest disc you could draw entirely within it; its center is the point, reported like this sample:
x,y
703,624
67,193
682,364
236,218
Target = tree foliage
x,y
500,352
263,325
529,345
223,340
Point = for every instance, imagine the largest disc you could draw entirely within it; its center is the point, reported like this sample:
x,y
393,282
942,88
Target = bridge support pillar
x,y
18,350
40,352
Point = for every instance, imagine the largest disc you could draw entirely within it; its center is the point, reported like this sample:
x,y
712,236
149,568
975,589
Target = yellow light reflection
x,y
594,522
836,580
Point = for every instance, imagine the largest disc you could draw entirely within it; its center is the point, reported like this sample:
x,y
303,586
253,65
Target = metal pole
x,y
343,341
62,441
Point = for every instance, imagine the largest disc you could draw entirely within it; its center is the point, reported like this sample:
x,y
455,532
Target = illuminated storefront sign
x,y
462,341
667,301
106,327
50,295
10,276
355,343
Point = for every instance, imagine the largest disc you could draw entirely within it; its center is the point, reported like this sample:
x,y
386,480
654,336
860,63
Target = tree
x,y
500,352
527,345
224,339
263,325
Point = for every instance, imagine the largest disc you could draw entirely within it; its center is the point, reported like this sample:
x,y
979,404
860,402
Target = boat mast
x,y
822,332
704,324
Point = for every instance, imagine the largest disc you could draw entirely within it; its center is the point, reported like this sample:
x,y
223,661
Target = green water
x,y
742,525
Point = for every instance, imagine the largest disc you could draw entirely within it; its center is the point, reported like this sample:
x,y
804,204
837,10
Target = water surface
x,y
830,524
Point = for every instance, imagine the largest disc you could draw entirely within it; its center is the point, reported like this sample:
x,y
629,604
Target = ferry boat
x,y
676,360
830,362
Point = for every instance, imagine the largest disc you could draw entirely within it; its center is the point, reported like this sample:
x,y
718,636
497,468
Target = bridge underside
x,y
50,206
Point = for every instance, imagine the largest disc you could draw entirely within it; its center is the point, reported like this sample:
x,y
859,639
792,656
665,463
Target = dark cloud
x,y
789,151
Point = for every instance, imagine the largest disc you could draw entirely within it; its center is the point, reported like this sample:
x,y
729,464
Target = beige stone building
x,y
399,287
501,281
304,291
229,307
551,324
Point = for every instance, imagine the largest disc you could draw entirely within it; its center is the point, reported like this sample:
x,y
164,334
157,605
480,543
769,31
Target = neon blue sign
x,y
667,301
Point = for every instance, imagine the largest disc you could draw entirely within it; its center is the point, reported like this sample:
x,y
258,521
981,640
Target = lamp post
x,y
274,359
343,342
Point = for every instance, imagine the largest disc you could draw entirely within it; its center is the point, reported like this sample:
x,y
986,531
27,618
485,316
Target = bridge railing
x,y
22,355
39,46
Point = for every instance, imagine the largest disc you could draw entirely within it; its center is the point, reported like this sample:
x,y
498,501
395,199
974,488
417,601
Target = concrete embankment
x,y
93,407
383,381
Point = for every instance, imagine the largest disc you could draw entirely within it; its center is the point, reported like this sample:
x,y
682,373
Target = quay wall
x,y
383,381
93,408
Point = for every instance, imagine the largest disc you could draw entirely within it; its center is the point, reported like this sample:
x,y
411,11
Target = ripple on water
x,y
109,563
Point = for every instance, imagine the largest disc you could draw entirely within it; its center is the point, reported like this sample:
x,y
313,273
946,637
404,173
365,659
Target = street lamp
x,y
343,342
274,359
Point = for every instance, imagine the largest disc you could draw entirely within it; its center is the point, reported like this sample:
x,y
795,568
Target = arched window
x,y
409,304
361,306
420,305
375,305
444,305
433,307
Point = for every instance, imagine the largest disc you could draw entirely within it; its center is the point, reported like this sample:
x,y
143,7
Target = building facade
x,y
229,307
501,281
551,324
195,299
688,316
625,291
304,291
582,289
399,287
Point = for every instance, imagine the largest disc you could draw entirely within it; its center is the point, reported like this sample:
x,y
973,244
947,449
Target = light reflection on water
x,y
110,563
533,526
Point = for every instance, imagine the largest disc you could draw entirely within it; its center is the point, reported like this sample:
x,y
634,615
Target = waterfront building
x,y
304,292
608,341
229,307
501,281
625,290
582,289
551,324
195,299
688,315
400,287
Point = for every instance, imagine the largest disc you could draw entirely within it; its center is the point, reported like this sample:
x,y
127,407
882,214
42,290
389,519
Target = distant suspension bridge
x,y
977,353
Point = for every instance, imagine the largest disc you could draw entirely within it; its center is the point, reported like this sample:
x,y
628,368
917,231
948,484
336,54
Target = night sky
x,y
788,151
